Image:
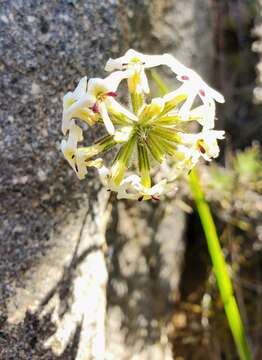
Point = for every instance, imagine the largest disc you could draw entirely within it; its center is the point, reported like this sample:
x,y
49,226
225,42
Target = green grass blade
x,y
220,268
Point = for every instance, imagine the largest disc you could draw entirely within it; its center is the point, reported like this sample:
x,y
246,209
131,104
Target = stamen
x,y
95,108
155,197
125,64
202,149
185,77
111,93
140,198
73,156
202,92
76,167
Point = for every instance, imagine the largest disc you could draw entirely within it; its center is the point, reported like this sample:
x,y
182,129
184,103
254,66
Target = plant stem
x,y
220,268
219,265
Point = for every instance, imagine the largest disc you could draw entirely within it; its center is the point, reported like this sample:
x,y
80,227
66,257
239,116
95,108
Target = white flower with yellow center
x,y
75,105
101,94
80,158
151,136
204,143
136,63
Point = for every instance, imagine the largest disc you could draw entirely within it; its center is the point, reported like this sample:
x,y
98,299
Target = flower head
x,y
151,136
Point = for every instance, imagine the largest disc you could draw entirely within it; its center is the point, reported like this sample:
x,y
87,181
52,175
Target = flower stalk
x,y
220,268
219,265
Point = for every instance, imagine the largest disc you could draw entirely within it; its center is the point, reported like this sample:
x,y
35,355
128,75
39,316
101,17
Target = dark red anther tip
x,y
202,149
156,197
202,92
185,77
95,108
140,198
111,93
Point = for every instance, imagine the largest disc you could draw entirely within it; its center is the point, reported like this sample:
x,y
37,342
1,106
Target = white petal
x,y
216,95
81,88
66,120
186,107
106,119
120,63
144,82
176,66
113,80
95,86
204,115
75,135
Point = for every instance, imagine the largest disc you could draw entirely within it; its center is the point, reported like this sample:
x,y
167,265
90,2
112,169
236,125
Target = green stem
x,y
219,265
220,268
163,88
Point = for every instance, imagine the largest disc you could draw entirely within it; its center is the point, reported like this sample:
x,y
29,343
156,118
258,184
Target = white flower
x,y
192,85
135,63
101,94
75,105
78,158
204,143
132,188
185,159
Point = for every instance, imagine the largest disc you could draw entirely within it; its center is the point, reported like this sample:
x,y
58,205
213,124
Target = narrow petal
x,y
175,65
204,115
106,119
113,80
81,88
144,82
122,62
186,107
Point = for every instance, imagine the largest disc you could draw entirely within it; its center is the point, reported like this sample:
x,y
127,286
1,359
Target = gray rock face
x,y
52,225
45,47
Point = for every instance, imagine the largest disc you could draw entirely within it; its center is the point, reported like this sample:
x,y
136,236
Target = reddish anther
x,y
156,197
185,77
201,148
95,108
111,93
202,92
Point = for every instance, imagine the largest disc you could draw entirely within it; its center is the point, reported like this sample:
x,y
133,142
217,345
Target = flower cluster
x,y
150,135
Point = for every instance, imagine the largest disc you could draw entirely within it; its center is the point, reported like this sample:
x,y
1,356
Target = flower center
x,y
142,131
